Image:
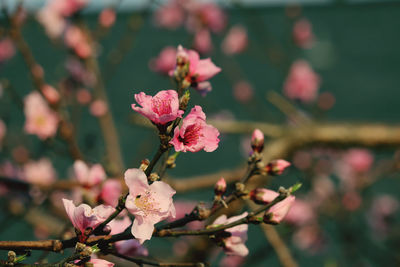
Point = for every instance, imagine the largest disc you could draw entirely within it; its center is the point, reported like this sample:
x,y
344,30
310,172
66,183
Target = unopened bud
x,y
11,256
144,164
267,218
220,187
183,102
182,57
257,141
276,167
263,196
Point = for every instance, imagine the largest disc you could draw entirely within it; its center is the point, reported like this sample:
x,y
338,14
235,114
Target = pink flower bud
x,y
51,94
220,187
263,196
277,212
107,17
276,167
257,141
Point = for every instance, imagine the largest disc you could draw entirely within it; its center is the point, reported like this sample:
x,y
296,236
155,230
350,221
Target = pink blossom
x,y
7,49
302,33
111,190
300,213
195,134
165,62
66,7
207,15
200,69
278,211
83,96
77,40
302,83
202,41
50,93
53,23
234,245
235,41
360,160
149,204
130,247
89,176
160,109
351,200
84,216
243,91
107,17
257,140
98,108
383,208
40,172
40,119
169,16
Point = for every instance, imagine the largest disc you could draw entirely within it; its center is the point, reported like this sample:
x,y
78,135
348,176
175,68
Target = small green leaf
x,y
21,258
95,248
295,187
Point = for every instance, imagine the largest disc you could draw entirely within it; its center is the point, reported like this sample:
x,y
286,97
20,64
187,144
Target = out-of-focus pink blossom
x,y
40,119
98,108
66,7
161,108
351,200
79,72
236,40
165,62
149,204
101,263
232,261
40,172
302,160
326,101
7,49
89,176
53,23
84,216
243,91
383,207
202,41
130,247
308,237
77,40
278,211
20,154
169,16
111,190
360,160
208,15
50,93
195,134
302,33
302,83
276,167
234,245
107,17
300,213
83,96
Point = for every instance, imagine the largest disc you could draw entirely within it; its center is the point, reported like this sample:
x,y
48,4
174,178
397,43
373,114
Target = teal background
x,y
357,55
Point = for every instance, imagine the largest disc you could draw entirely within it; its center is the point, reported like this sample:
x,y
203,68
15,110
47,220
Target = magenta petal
x,y
206,69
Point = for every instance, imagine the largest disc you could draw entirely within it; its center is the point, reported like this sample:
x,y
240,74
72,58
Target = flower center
x,y
192,134
40,121
146,203
161,106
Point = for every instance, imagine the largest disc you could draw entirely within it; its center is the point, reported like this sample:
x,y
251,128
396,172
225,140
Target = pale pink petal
x,y
136,181
142,230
